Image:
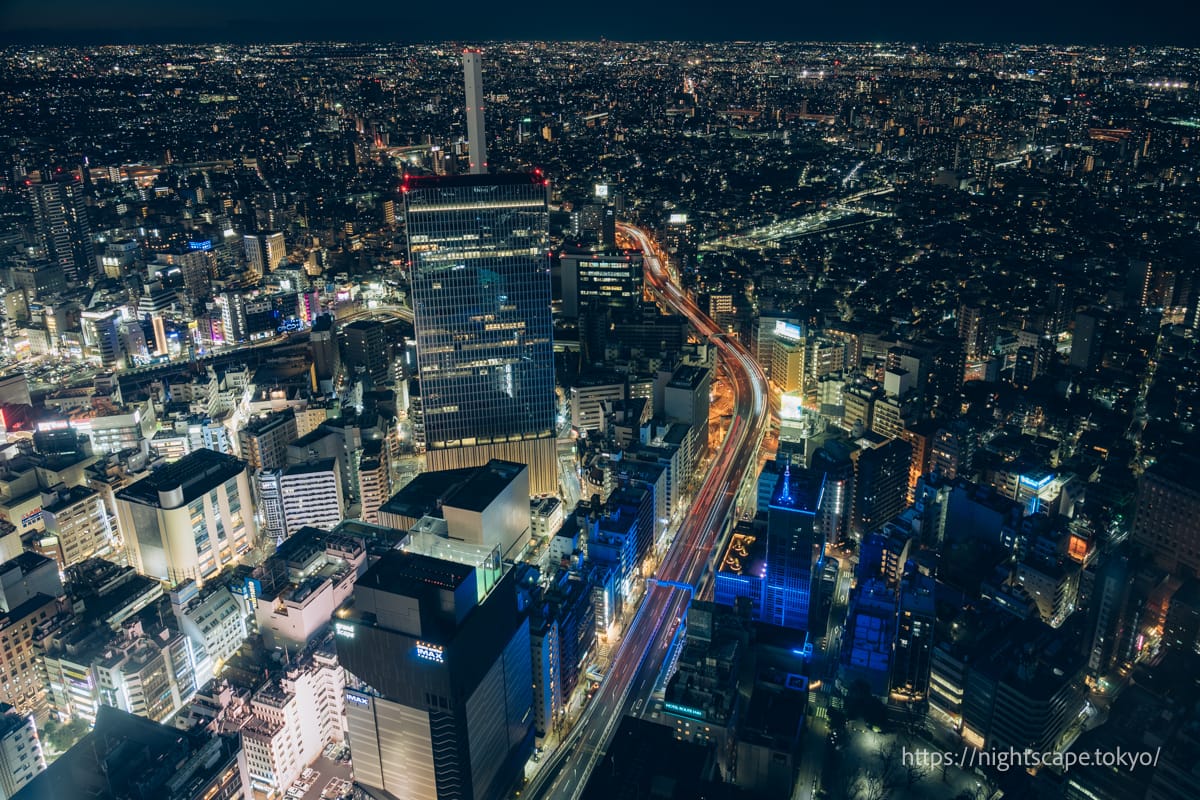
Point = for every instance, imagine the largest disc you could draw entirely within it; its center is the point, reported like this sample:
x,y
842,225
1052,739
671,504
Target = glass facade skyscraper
x,y
794,547
481,298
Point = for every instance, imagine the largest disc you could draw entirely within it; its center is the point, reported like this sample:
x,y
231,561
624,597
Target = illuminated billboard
x,y
788,330
790,406
431,652
677,219
1037,482
602,190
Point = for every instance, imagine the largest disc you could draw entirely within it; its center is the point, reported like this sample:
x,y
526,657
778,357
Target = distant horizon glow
x,y
265,21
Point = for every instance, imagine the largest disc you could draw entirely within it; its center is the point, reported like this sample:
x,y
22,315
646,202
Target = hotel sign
x,y
688,711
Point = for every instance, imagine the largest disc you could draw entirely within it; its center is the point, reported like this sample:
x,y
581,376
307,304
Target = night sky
x,y
1056,21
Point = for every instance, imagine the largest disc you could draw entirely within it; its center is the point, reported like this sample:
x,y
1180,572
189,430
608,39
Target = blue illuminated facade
x,y
742,568
794,547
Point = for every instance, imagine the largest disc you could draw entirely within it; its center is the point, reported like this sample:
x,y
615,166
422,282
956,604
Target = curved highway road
x,y
642,653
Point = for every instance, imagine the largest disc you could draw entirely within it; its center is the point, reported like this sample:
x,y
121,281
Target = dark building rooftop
x,y
9,722
481,488
319,465
470,488
131,758
269,422
473,637
197,473
416,182
27,562
424,493
645,760
302,546
688,378
798,490
72,495
411,574
599,377
776,712
372,453
363,325
20,612
1025,653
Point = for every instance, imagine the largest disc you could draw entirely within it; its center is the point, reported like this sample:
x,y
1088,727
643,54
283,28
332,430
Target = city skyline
x,y
273,21
577,420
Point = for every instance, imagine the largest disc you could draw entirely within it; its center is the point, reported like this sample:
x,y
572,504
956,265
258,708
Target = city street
x,y
639,659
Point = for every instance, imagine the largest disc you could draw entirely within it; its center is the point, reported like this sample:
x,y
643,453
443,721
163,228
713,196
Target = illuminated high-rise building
x,y
837,501
769,329
195,268
481,300
188,519
480,274
600,279
975,329
263,442
913,647
63,231
476,141
600,288
794,547
21,758
439,702
367,350
265,251
299,496
1139,283
787,365
1059,307
880,482
102,338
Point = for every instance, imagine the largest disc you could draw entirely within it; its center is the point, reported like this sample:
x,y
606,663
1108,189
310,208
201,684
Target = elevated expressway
x,y
639,660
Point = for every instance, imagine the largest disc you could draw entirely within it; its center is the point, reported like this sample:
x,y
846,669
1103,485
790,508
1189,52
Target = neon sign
x,y
1036,482
343,630
685,710
431,652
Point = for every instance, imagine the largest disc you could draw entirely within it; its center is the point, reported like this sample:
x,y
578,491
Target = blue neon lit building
x,y
794,547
